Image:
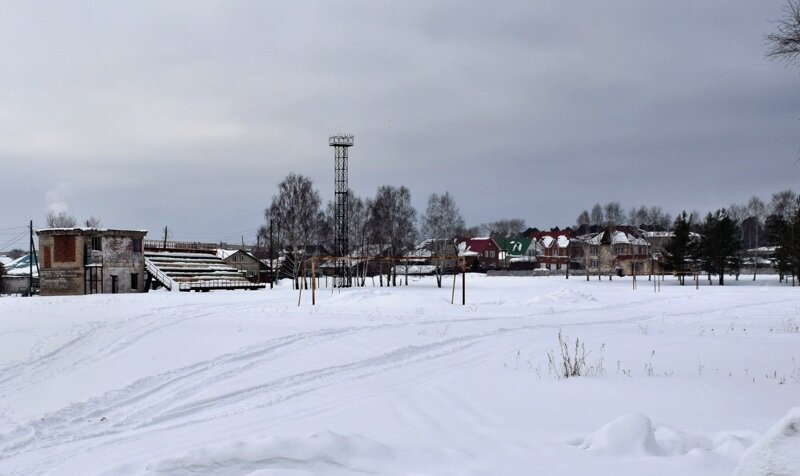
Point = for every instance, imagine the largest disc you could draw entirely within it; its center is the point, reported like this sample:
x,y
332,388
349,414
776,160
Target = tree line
x,y
723,238
387,224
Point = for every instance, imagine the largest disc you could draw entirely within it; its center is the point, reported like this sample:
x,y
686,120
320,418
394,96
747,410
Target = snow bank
x,y
778,452
627,435
321,453
635,435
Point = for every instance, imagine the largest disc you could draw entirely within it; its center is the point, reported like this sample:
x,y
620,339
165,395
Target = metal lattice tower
x,y
341,143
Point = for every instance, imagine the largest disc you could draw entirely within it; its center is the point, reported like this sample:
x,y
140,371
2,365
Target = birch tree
x,y
442,222
297,218
392,222
757,211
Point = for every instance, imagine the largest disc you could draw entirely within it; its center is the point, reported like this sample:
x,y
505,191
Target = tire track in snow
x,y
42,366
147,396
150,413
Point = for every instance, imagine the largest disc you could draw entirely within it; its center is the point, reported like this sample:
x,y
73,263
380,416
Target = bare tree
x,y
60,220
757,211
92,222
597,217
639,217
614,214
442,222
583,221
785,43
782,204
392,222
504,227
474,231
295,212
657,219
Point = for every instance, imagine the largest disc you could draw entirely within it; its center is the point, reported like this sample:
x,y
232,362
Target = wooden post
x,y
463,284
313,283
30,263
271,258
300,293
453,296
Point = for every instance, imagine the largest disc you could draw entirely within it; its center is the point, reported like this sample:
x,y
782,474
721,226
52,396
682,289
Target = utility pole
x,y
165,238
271,263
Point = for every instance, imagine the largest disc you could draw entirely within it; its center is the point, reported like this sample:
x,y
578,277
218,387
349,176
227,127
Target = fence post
x,y
313,282
463,284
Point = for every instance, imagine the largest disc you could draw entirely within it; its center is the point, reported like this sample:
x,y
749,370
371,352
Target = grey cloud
x,y
530,109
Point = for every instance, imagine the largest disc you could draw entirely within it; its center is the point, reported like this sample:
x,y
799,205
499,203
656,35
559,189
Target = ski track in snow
x,y
143,403
169,400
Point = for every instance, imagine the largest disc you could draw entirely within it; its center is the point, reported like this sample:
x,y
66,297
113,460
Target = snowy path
x,y
392,381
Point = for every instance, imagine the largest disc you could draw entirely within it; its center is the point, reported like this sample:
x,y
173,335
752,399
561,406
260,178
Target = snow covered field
x,y
399,381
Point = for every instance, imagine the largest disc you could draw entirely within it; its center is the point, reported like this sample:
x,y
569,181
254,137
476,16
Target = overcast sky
x,y
188,114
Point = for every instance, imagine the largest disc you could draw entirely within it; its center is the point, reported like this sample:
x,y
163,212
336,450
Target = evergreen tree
x,y
720,244
792,241
777,235
678,250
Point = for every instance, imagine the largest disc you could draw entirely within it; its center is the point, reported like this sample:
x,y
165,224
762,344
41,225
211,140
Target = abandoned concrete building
x,y
91,261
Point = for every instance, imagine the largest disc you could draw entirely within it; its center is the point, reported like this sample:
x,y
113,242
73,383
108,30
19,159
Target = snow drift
x,y
778,452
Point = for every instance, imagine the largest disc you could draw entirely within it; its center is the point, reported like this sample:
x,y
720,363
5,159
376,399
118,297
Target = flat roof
x,y
85,231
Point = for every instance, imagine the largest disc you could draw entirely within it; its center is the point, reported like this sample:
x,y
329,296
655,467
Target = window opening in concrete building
x,y
94,279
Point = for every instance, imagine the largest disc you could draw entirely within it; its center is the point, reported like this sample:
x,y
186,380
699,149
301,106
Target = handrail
x,y
218,284
160,276
159,245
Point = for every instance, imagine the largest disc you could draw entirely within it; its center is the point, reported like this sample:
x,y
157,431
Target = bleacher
x,y
194,271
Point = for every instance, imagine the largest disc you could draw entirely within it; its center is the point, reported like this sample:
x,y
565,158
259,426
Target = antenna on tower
x,y
340,144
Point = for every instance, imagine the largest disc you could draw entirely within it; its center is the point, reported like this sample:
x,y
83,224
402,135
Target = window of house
x,y
97,243
64,249
619,249
134,281
491,254
137,245
595,263
593,249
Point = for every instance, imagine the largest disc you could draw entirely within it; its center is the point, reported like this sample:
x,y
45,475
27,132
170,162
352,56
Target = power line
x,y
14,240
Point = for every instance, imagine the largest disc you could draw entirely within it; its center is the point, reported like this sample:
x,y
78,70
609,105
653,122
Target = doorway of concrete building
x,y
114,285
93,279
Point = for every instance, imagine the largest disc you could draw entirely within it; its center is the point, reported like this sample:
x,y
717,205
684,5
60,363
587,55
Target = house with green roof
x,y
518,252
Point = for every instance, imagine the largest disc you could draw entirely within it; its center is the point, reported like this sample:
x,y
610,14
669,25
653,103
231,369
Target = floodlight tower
x,y
340,144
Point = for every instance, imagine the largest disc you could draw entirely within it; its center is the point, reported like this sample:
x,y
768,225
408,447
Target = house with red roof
x,y
554,246
480,254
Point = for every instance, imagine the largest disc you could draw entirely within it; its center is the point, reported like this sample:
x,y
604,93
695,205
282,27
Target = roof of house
x,y
516,246
225,254
616,236
21,267
473,246
432,247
